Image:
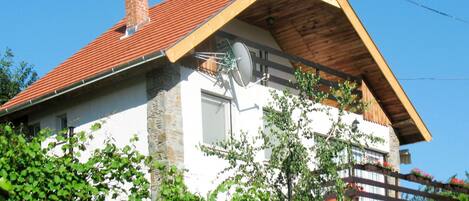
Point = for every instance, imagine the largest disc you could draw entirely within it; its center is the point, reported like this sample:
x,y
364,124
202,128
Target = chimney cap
x,y
137,15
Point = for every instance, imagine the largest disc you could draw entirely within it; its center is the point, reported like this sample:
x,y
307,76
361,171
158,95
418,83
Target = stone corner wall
x,y
394,147
164,118
394,158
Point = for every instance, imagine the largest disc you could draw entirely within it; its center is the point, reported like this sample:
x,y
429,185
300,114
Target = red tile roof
x,y
170,21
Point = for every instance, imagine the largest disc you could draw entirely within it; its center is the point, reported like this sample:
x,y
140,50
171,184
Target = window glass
x,y
216,118
34,129
62,122
273,139
368,156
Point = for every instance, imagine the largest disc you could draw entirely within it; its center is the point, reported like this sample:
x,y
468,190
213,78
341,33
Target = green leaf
x,y
5,185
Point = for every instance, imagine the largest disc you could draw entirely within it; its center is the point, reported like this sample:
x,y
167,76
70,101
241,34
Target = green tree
x,y
172,186
14,77
50,167
303,165
5,188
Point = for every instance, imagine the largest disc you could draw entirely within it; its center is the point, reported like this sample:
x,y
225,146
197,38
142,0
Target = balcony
x,y
389,185
329,76
281,66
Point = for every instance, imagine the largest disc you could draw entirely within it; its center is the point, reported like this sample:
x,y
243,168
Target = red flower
x,y
419,173
355,186
457,181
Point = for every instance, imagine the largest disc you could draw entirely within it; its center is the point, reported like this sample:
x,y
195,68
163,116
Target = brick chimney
x,y
136,15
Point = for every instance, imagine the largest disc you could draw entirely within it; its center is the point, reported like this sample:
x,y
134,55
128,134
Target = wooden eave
x,y
327,32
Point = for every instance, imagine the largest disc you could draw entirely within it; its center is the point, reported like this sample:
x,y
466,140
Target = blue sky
x,y
415,42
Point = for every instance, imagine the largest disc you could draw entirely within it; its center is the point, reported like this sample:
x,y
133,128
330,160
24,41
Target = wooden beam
x,y
383,66
193,39
404,123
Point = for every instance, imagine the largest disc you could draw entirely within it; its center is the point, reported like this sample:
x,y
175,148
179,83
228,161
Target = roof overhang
x,y
114,71
385,69
190,41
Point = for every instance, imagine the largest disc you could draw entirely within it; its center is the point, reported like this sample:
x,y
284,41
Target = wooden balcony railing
x,y
329,77
392,188
270,58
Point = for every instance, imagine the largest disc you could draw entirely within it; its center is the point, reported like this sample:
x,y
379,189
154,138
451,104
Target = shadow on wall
x,y
98,104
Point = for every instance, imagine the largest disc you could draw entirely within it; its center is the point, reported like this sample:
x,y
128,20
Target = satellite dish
x,y
234,59
243,74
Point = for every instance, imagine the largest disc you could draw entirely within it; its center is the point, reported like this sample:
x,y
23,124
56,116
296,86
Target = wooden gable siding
x,y
373,112
321,32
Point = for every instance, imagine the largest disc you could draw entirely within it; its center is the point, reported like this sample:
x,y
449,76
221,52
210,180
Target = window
x,y
216,118
268,131
62,122
34,129
368,156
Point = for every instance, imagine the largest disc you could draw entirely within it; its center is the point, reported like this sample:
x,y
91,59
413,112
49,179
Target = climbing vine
x,y
303,164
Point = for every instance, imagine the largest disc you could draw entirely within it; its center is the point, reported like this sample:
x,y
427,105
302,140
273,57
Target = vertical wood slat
x,y
374,112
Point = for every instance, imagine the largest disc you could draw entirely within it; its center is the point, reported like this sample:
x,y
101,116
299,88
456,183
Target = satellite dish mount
x,y
234,60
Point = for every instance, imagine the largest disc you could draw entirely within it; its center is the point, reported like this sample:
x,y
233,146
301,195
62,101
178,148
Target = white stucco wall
x,y
121,109
247,112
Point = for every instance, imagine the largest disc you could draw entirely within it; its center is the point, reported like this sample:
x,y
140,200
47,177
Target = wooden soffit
x,y
327,32
386,71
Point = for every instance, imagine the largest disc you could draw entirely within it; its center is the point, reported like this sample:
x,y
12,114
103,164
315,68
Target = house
x,y
141,77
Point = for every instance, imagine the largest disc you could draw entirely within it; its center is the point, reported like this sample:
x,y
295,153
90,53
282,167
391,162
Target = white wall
x,y
121,109
247,104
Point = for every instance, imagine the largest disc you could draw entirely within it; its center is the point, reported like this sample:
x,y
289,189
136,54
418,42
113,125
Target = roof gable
x,y
176,27
403,114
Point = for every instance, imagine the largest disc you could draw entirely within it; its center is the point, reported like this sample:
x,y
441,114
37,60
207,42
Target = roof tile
x,y
169,22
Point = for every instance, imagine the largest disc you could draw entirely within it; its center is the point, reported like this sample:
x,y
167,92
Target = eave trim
x,y
190,41
118,69
384,67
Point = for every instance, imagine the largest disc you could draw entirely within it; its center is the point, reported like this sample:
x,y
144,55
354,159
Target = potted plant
x,y
379,166
371,166
419,175
351,192
458,183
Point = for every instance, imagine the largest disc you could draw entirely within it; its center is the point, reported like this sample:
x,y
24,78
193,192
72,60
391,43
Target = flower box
x,y
384,167
419,175
418,179
458,183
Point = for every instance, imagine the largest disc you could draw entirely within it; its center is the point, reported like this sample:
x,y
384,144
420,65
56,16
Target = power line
x,y
438,11
435,79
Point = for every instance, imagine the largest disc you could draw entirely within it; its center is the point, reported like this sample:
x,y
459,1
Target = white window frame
x,y
375,156
207,95
59,119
